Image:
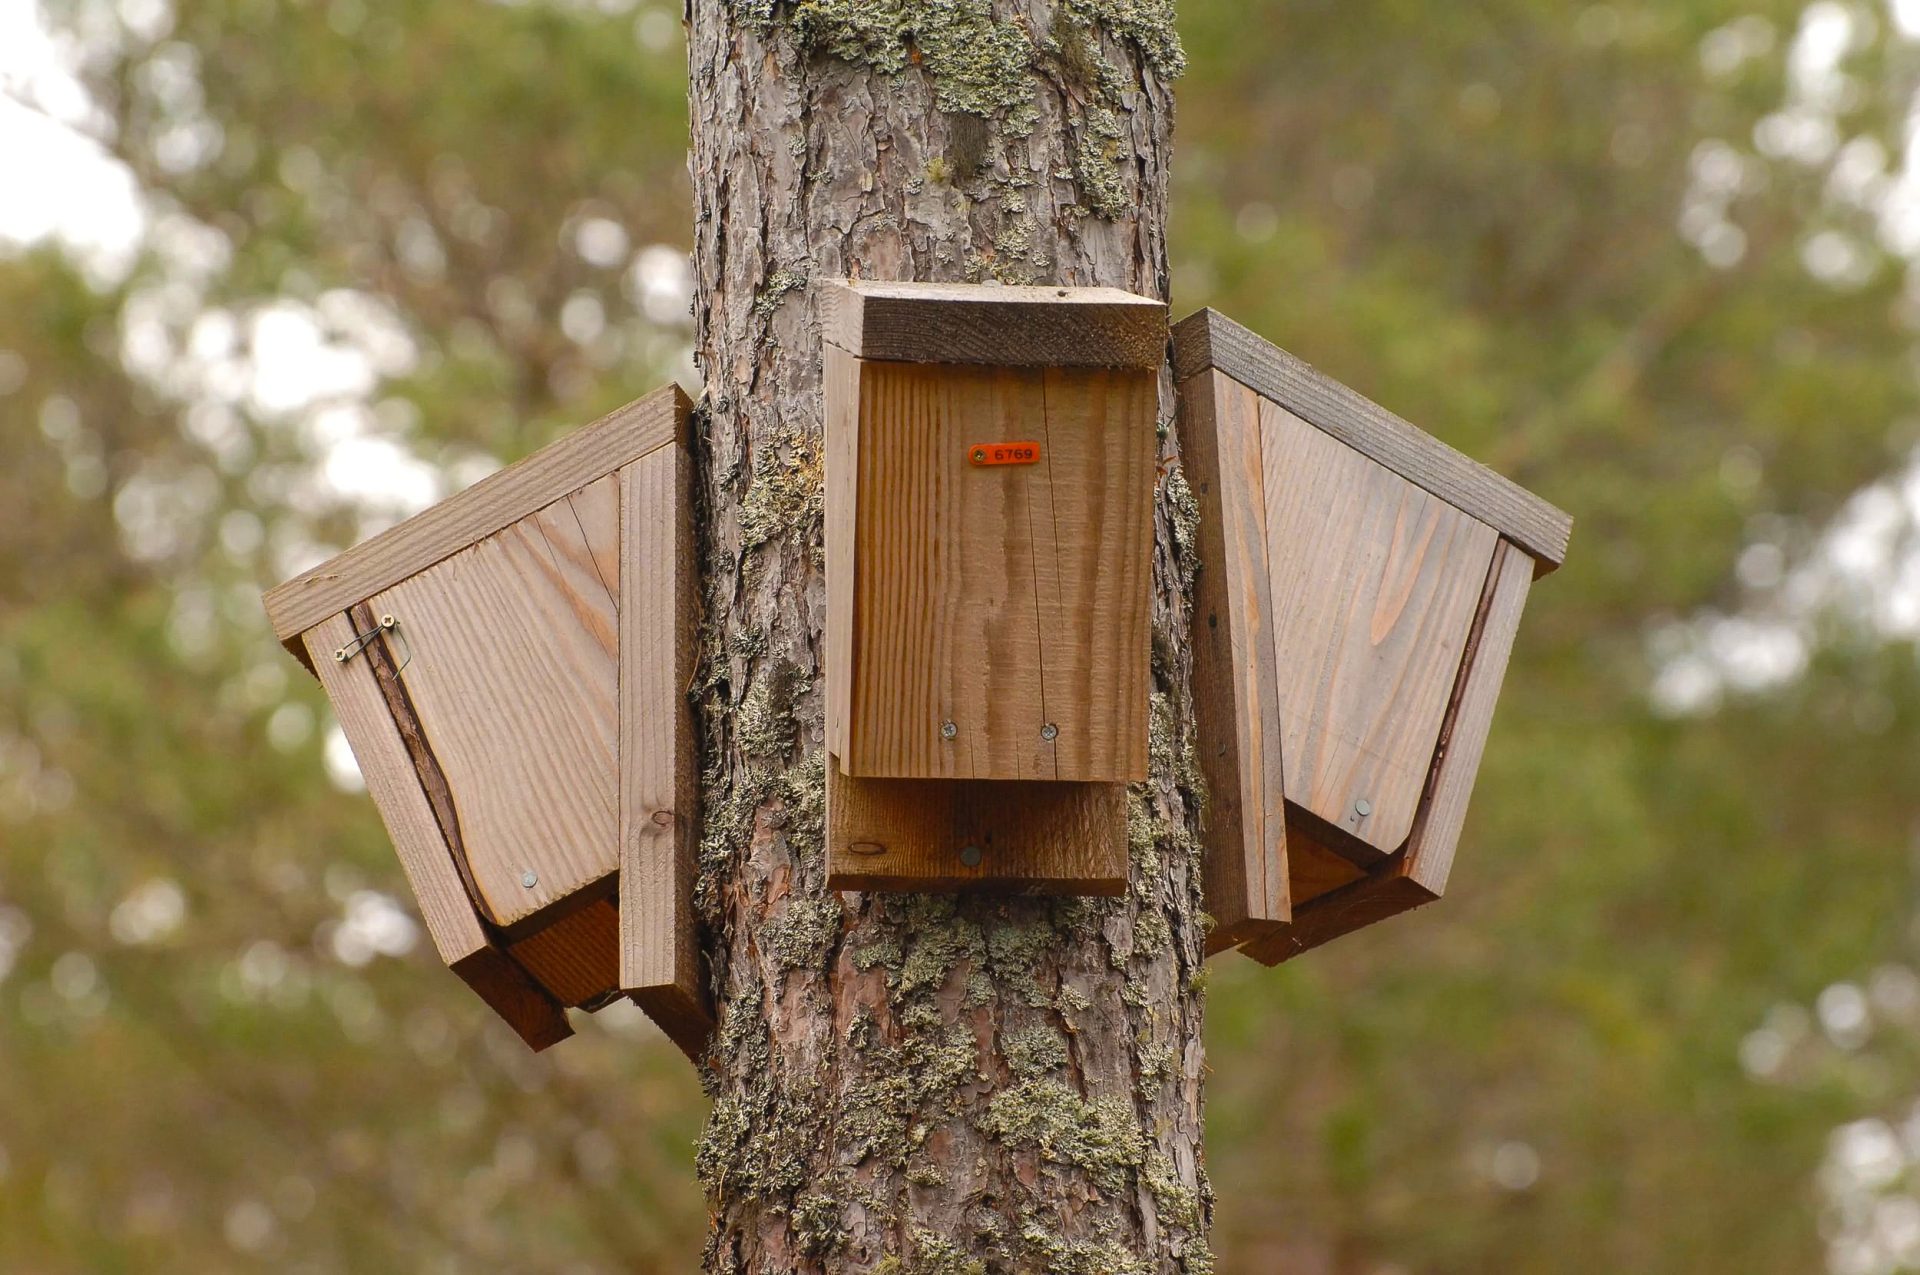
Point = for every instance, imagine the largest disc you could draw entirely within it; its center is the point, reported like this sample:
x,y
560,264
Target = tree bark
x,y
916,1083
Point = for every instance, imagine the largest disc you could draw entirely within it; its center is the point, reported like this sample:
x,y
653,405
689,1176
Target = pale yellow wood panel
x,y
659,790
511,668
1033,838
1093,554
840,395
1236,706
1375,585
946,623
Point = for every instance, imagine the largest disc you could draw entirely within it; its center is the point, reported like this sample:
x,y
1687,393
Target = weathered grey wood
x,y
660,963
462,942
483,509
1375,583
1005,325
1237,708
1208,339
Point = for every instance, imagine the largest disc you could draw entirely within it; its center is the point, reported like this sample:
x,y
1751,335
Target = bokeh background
x,y
274,274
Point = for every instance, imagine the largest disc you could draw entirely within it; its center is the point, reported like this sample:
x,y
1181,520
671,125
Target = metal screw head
x,y
970,855
529,878
948,730
1049,732
979,455
1363,807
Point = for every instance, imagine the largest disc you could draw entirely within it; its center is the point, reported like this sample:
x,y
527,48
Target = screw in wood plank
x,y
948,730
970,855
979,455
529,878
1363,807
1049,732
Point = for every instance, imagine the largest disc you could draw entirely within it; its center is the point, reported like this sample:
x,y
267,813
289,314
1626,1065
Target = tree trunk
x,y
915,1083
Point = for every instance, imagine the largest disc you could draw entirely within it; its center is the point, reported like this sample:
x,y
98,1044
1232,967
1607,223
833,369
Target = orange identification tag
x,y
1004,453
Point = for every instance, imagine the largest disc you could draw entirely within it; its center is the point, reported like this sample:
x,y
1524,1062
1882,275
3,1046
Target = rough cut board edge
x,y
410,547
1208,339
394,785
1418,874
659,961
1000,324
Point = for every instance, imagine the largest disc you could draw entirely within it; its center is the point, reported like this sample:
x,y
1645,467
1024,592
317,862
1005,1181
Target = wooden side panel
x,y
1033,838
946,621
1464,741
1209,339
840,394
1374,583
509,649
1237,708
659,788
392,782
1418,875
481,510
1093,556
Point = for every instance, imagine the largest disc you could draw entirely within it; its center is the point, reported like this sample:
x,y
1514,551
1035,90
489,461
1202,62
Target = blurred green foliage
x,y
1605,248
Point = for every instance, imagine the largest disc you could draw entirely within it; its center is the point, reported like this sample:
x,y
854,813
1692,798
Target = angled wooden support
x,y
511,669
1361,588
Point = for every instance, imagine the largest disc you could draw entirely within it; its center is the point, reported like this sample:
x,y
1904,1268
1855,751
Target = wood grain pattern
x,y
1375,583
1004,325
577,956
1418,875
480,511
1208,339
1463,742
1000,599
511,647
660,965
1034,838
840,415
462,942
1237,706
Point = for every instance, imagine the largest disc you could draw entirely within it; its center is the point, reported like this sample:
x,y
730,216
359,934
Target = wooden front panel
x,y
1375,585
510,650
1004,599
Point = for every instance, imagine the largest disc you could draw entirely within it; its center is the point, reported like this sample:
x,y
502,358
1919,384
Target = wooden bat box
x,y
990,475
1360,590
510,667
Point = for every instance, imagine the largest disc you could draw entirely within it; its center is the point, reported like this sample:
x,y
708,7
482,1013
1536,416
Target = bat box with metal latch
x,y
510,667
1360,590
990,457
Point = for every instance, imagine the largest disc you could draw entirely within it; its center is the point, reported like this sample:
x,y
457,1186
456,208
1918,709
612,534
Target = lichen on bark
x,y
913,1084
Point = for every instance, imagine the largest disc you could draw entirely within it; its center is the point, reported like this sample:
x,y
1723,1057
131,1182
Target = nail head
x,y
529,878
970,855
1363,807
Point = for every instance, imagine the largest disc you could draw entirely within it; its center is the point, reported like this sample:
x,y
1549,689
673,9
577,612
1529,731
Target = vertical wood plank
x,y
659,794
1375,582
1093,555
840,395
1236,705
947,627
509,649
458,936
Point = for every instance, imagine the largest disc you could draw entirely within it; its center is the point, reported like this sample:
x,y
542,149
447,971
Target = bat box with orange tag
x,y
1361,584
510,667
990,474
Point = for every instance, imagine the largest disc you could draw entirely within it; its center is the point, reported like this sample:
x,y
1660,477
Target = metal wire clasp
x,y
361,641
